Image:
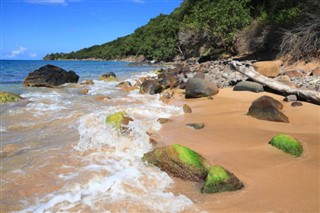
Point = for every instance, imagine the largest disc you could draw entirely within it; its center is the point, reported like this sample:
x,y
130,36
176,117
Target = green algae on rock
x,y
115,119
9,97
179,161
220,180
287,144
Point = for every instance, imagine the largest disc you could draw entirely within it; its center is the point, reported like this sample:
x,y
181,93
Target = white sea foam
x,y
113,177
3,129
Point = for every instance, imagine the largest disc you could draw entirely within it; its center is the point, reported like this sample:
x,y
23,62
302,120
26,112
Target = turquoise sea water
x,y
14,71
59,155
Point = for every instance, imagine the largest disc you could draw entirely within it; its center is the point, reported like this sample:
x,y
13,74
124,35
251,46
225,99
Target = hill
x,y
211,28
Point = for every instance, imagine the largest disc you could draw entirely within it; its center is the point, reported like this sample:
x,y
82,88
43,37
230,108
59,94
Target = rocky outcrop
x,y
248,86
267,108
220,180
287,144
197,88
50,76
150,87
9,97
179,161
109,76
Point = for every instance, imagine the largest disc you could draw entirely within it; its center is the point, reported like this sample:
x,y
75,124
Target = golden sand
x,y
274,181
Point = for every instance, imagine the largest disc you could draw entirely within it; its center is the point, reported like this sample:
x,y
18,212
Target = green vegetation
x,y
8,97
210,28
220,180
115,119
288,144
188,156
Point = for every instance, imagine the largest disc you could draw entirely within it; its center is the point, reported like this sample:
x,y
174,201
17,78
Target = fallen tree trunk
x,y
302,94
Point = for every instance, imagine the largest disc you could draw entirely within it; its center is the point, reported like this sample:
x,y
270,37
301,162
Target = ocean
x,y
59,155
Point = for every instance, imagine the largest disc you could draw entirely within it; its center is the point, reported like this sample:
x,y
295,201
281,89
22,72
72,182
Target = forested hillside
x,y
211,28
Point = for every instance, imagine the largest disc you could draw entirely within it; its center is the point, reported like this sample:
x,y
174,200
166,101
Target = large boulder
x,y
9,97
287,144
197,88
268,68
248,86
109,76
151,87
179,161
220,180
50,76
267,108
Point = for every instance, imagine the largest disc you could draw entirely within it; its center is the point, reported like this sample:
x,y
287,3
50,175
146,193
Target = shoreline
x,y
274,181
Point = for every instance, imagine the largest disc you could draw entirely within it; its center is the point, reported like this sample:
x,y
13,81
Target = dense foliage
x,y
209,28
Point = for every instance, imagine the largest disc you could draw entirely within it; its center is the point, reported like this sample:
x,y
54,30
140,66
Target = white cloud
x,y
62,2
17,52
33,55
139,1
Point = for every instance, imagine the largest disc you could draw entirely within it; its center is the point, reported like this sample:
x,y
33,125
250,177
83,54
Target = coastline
x,y
274,181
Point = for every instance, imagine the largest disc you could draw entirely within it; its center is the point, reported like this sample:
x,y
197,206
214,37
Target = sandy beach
x,y
274,181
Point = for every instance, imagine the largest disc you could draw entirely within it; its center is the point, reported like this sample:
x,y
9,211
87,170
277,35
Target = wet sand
x,y
274,181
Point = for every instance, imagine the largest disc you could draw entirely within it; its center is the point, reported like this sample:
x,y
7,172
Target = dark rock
x,y
267,108
220,180
196,125
248,86
196,88
50,76
179,161
296,104
186,108
151,87
109,76
290,98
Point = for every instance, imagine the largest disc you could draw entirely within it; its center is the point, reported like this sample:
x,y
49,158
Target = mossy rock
x,y
9,97
220,180
179,161
110,76
116,119
288,144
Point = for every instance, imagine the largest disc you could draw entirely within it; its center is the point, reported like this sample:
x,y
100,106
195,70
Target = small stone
x,y
186,108
109,76
84,91
87,82
196,125
164,120
290,98
296,104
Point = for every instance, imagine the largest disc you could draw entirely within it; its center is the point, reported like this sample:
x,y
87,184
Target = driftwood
x,y
302,94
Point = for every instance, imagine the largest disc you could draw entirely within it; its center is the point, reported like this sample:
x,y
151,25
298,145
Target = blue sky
x,y
32,28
